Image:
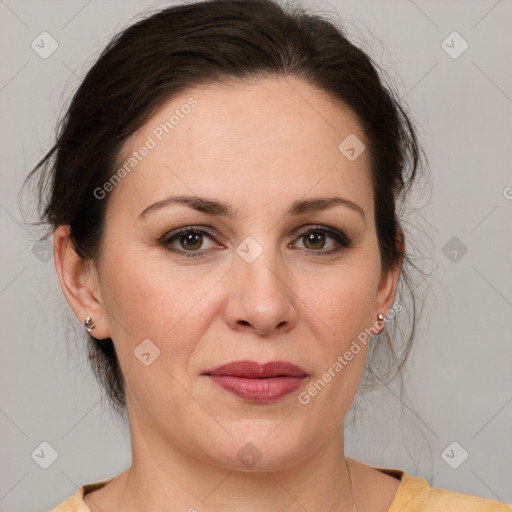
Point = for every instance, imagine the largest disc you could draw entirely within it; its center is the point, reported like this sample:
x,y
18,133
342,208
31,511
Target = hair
x,y
222,41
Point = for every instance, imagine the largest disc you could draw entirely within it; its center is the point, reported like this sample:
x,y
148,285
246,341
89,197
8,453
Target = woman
x,y
224,200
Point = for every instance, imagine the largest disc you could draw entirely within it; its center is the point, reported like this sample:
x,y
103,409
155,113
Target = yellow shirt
x,y
413,495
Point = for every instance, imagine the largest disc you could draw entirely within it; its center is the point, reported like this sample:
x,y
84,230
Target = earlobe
x,y
389,279
79,282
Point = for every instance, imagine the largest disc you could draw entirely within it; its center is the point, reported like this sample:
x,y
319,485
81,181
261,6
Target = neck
x,y
166,478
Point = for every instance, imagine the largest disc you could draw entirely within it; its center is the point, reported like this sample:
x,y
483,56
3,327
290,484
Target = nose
x,y
261,297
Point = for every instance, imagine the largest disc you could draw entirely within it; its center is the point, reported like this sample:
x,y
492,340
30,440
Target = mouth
x,y
255,382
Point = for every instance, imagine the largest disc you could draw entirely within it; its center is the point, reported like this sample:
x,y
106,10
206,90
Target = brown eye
x,y
314,240
191,240
324,241
188,242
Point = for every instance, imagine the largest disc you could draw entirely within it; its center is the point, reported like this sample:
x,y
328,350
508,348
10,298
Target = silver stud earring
x,y
89,326
380,318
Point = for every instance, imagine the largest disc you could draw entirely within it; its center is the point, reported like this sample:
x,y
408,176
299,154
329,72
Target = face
x,y
257,271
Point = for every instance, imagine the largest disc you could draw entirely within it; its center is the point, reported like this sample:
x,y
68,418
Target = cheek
x,y
169,307
343,302
148,299
339,311
338,352
348,309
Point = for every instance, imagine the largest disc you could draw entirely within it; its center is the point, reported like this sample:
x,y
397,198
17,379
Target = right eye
x,y
189,240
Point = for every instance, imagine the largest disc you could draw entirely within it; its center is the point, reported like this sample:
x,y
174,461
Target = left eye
x,y
317,239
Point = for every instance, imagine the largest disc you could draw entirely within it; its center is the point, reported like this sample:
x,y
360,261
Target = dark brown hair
x,y
198,43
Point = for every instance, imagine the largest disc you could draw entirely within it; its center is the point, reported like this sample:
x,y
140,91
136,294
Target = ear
x,y
389,278
79,282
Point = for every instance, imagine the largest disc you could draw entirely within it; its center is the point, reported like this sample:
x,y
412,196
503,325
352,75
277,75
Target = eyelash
x,y
338,236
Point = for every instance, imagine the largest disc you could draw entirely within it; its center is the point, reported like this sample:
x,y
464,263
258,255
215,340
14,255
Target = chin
x,y
257,445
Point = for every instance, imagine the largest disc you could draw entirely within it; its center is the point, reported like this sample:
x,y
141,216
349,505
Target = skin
x,y
258,147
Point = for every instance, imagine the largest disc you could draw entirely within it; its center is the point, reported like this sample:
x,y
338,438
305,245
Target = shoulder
x,y
414,494
76,502
442,499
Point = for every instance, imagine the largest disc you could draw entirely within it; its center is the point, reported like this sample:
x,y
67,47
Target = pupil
x,y
192,239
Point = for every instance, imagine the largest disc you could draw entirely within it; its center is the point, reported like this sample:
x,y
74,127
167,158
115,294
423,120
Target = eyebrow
x,y
214,207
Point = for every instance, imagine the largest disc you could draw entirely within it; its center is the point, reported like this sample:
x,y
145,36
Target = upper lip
x,y
254,370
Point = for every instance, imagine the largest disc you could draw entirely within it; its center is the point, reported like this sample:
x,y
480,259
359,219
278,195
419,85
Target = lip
x,y
258,382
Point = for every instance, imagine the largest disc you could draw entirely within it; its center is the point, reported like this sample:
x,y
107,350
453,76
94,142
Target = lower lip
x,y
258,390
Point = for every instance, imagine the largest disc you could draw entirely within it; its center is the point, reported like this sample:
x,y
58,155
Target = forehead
x,y
247,141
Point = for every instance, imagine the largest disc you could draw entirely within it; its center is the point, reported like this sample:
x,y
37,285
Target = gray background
x,y
459,382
